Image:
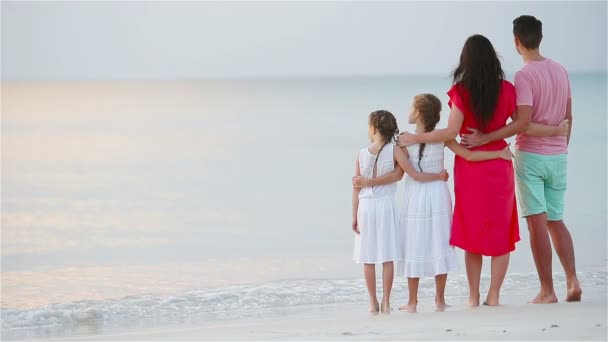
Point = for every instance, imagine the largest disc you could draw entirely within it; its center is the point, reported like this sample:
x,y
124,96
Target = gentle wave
x,y
230,303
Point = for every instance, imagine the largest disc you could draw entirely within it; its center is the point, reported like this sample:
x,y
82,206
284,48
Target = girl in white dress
x,y
378,238
426,217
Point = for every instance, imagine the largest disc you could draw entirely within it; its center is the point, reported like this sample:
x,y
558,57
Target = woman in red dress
x,y
485,214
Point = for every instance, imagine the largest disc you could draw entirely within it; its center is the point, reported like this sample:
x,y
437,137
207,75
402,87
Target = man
x,y
544,95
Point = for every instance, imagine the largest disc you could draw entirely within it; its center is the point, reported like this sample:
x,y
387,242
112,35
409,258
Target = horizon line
x,y
268,77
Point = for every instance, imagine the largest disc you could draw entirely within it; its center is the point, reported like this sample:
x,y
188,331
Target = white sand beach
x,y
516,321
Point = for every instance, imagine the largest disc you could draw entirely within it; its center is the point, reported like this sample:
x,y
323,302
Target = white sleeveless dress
x,y
426,219
380,239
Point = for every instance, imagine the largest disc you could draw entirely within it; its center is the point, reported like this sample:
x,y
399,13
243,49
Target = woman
x,y
485,214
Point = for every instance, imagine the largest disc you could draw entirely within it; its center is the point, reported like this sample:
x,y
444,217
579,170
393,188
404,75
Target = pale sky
x,y
187,40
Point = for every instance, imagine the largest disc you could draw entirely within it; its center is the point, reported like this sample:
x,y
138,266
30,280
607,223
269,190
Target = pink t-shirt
x,y
545,86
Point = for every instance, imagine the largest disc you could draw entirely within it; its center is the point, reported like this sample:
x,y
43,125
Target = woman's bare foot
x,y
473,301
385,308
543,298
374,307
574,292
409,307
441,307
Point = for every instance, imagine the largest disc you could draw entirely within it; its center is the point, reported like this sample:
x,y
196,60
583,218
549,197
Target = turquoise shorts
x,y
541,184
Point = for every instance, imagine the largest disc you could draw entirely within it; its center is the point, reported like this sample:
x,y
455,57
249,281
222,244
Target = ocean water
x,y
130,204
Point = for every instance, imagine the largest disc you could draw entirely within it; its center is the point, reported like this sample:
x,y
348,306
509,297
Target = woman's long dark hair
x,y
481,74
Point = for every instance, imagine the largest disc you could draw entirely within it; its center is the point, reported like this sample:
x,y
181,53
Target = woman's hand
x,y
406,139
355,227
506,153
563,128
360,182
476,138
444,175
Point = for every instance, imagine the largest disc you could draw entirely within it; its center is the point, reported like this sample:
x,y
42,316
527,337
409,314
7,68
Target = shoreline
x,y
520,321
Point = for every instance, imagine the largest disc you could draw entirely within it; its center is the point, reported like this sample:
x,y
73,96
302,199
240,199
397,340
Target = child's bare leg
x,y
440,281
369,271
473,263
412,286
562,242
387,284
499,270
541,250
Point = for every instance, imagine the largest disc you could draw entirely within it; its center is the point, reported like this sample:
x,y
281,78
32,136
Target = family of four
x,y
421,236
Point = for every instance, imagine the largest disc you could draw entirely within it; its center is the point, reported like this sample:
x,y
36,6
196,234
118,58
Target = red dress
x,y
485,213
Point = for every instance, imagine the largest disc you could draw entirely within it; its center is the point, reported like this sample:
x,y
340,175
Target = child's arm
x,y
401,158
362,182
355,224
469,155
538,130
395,176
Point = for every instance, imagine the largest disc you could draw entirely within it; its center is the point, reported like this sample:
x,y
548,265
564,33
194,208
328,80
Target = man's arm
x,y
520,122
569,117
539,130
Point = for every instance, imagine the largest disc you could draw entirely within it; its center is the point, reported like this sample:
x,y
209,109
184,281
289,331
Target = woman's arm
x,y
538,130
356,191
520,122
477,155
439,135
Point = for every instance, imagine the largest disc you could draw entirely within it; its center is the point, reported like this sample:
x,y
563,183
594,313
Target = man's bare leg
x,y
562,242
541,250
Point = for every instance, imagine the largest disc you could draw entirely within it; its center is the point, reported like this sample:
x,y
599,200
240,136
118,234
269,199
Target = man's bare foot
x,y
374,307
574,293
491,300
542,298
410,308
385,308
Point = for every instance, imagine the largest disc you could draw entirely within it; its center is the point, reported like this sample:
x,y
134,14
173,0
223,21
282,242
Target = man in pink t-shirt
x,y
542,122
543,90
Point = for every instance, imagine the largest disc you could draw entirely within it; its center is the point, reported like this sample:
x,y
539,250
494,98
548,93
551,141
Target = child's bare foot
x,y
385,308
543,298
574,292
440,304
